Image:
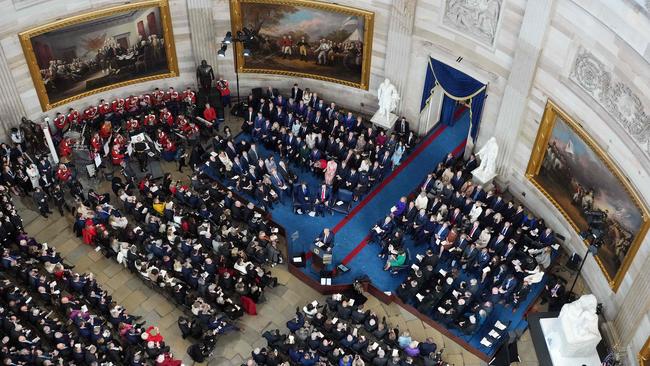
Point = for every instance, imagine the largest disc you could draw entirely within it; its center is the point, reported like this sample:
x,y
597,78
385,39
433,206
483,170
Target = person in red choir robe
x,y
132,126
158,97
90,115
224,89
182,123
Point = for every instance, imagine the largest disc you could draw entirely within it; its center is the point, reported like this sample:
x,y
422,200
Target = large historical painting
x,y
582,181
89,53
306,38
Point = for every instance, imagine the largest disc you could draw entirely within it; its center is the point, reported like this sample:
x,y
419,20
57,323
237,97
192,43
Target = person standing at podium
x,y
327,238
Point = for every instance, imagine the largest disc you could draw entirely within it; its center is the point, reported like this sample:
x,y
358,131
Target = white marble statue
x,y
488,157
579,327
388,98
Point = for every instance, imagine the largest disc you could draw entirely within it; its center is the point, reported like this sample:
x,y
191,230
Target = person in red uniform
x,y
118,106
61,123
145,101
119,141
182,123
116,155
166,118
189,96
106,129
96,143
104,108
132,126
132,104
158,97
72,117
63,174
209,113
65,150
90,116
224,89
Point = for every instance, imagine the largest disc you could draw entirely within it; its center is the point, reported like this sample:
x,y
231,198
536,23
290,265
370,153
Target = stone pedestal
x,y
384,122
552,329
485,180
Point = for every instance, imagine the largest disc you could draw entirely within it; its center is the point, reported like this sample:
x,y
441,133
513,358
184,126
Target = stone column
x,y
205,40
635,306
398,46
513,104
11,108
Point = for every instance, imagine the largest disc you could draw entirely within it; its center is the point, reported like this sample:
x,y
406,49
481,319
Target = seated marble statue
x,y
579,327
488,156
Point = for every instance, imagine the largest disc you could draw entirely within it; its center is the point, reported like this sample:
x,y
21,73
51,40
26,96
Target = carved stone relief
x,y
477,19
616,97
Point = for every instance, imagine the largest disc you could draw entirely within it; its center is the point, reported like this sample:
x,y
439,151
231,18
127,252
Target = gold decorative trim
x,y
170,48
368,29
644,354
551,112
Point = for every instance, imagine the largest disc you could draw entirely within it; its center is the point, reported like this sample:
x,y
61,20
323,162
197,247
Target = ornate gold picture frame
x,y
578,177
644,354
75,57
305,38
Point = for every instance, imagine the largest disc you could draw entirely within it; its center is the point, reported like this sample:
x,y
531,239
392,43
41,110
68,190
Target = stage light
x,y
228,38
222,51
247,52
248,33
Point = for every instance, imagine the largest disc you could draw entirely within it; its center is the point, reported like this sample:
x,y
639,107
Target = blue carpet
x,y
302,229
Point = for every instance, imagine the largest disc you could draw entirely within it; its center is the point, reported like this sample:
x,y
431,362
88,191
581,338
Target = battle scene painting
x,y
318,40
586,186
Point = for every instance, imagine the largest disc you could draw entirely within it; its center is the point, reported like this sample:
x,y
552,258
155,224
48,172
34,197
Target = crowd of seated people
x,y
208,251
481,249
51,315
343,332
307,132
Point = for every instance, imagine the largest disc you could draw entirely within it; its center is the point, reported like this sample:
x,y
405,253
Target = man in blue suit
x,y
279,184
381,229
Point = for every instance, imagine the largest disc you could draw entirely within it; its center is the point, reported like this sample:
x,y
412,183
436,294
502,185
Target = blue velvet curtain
x,y
456,86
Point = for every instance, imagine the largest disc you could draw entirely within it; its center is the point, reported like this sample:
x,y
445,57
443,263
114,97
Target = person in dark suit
x,y
249,120
401,128
507,287
427,184
296,92
303,199
381,229
323,200
326,237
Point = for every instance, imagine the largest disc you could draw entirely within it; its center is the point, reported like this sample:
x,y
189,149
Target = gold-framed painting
x,y
583,182
305,38
89,53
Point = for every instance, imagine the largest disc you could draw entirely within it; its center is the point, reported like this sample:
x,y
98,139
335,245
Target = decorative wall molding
x,y
22,4
476,19
615,96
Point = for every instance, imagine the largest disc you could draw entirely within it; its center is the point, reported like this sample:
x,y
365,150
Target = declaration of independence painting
x,y
88,53
583,182
306,38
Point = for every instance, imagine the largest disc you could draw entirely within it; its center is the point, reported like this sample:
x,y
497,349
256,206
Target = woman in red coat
x,y
89,232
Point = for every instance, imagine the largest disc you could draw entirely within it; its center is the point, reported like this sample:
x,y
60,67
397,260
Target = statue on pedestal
x,y
388,98
488,156
205,75
579,327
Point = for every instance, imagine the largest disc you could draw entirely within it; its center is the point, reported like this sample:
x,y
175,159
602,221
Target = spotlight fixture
x,y
228,38
247,52
222,51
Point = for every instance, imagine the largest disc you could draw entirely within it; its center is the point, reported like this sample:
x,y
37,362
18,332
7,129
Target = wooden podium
x,y
321,258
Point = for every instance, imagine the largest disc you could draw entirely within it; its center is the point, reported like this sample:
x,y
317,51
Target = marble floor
x,y
233,348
